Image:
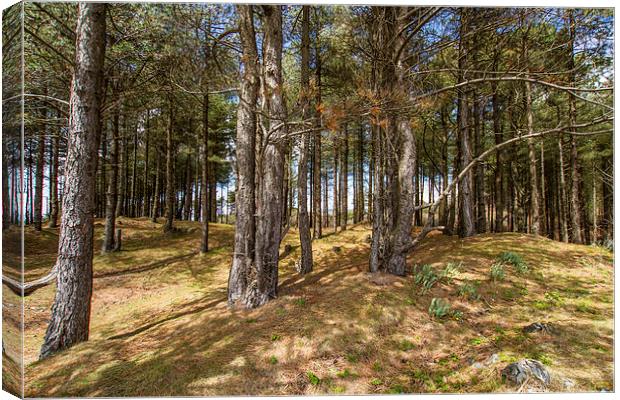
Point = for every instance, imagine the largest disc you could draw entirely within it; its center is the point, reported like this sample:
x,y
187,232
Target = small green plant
x,y
477,341
469,290
352,357
457,315
273,360
376,366
280,312
497,272
515,260
425,277
554,298
438,308
300,301
396,389
376,382
338,389
449,272
312,378
345,373
251,320
406,345
275,337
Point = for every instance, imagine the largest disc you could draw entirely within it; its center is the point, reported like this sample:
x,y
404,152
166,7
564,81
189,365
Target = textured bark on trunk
x,y
170,189
111,195
38,190
264,286
70,316
499,163
204,242
122,160
576,203
466,220
155,210
187,208
535,200
320,217
302,176
243,267
344,180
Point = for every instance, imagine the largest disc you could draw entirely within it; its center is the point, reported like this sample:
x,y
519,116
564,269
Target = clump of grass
x,y
352,357
275,337
515,260
397,389
273,360
376,366
406,345
457,315
300,302
312,378
345,374
376,382
497,272
439,308
426,277
469,290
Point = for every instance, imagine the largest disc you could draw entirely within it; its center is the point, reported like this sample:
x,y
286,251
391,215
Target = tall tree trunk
x,y
170,188
111,195
132,198
264,286
302,176
204,243
465,185
70,316
38,191
157,190
188,189
145,179
344,180
120,199
318,221
243,267
53,222
575,201
535,201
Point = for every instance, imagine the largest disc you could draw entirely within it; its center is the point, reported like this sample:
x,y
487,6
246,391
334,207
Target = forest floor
x,y
160,325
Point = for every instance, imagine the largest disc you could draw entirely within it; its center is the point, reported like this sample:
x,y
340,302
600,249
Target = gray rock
x,y
567,384
539,327
477,365
493,358
518,372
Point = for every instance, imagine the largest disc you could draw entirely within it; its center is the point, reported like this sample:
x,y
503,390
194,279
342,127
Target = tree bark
x,y
70,316
111,195
302,177
243,267
204,242
38,190
465,186
264,286
170,189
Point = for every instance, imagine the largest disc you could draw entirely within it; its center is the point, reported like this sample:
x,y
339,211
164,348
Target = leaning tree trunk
x,y
111,195
70,316
302,177
243,265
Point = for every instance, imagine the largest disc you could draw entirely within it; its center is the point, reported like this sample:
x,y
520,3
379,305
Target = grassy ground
x,y
160,324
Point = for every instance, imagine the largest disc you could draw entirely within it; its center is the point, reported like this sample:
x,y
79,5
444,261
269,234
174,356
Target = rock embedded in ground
x,y
539,327
518,372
